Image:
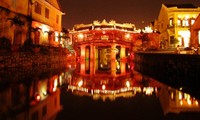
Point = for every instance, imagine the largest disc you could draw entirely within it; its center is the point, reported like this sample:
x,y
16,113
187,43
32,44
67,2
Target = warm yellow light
x,y
80,83
45,29
172,95
56,36
70,66
127,36
186,16
118,66
148,30
103,87
44,93
181,102
38,97
80,36
60,80
148,90
186,37
189,102
56,82
127,84
196,102
55,85
180,96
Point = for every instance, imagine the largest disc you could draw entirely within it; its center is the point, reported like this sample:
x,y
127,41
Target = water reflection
x,y
108,86
30,94
69,93
176,101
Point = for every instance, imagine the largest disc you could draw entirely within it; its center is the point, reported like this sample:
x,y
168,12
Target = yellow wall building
x,y
174,23
47,18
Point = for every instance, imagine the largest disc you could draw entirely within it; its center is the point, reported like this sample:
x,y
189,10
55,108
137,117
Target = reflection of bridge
x,y
103,86
111,94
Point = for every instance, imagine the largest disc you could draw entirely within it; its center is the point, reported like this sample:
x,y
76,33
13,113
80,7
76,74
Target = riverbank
x,y
29,59
177,70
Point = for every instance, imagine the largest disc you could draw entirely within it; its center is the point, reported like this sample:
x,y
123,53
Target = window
x,y
171,22
192,21
46,13
172,95
57,18
172,40
38,8
179,22
185,22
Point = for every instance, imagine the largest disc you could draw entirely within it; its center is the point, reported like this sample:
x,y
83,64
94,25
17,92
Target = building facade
x,y
195,32
174,23
46,24
36,20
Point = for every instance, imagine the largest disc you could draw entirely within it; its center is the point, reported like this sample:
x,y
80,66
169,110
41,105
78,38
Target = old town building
x,y
174,23
36,20
195,32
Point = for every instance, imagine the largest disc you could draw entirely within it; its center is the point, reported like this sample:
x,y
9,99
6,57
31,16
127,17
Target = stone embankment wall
x,y
28,60
174,69
26,65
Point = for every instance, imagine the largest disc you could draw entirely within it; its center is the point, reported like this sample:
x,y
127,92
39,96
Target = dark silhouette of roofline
x,y
187,5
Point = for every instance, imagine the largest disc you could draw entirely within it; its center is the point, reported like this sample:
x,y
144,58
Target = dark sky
x,y
138,12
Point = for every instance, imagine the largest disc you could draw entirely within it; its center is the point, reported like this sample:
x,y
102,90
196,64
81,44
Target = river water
x,y
66,93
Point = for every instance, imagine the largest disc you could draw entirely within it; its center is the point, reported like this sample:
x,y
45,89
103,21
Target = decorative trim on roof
x,y
104,24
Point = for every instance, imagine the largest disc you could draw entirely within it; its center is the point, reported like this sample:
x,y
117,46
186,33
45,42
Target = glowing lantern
x,y
37,97
55,85
80,36
127,84
127,36
103,87
80,83
56,36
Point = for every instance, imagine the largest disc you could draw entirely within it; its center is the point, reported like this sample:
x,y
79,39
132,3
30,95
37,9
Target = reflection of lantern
x,y
103,87
127,84
55,85
37,97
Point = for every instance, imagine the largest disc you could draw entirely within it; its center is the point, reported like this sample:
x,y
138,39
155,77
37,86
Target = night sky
x,y
138,12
